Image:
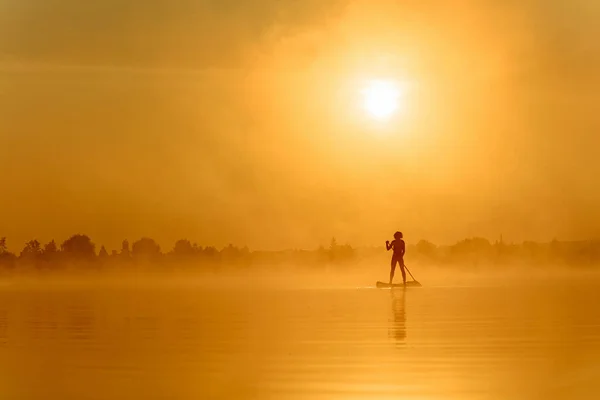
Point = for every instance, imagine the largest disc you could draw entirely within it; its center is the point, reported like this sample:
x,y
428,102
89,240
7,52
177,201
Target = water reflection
x,y
80,322
465,342
398,328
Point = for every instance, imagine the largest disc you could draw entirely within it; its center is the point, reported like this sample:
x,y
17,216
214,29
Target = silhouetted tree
x,y
340,253
125,252
50,254
426,248
146,249
472,250
333,244
32,252
103,254
210,253
471,245
50,247
230,254
79,247
7,259
183,248
32,248
343,253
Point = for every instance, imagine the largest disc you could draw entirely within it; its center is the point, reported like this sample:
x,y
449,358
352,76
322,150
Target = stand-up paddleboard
x,y
398,285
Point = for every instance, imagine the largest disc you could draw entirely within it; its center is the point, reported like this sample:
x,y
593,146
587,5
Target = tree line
x,y
81,252
480,251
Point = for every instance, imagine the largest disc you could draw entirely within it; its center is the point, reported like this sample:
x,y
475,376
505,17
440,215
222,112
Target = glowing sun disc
x,y
381,98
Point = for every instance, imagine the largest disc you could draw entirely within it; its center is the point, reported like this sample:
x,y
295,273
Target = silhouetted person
x,y
398,257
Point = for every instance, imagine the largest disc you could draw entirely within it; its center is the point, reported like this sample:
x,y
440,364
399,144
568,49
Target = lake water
x,y
535,340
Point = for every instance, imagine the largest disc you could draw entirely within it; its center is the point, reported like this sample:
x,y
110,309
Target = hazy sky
x,y
240,121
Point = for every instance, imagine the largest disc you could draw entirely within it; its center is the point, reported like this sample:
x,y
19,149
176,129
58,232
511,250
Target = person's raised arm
x,y
388,245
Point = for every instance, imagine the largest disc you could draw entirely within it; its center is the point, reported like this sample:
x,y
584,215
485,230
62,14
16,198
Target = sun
x,y
381,98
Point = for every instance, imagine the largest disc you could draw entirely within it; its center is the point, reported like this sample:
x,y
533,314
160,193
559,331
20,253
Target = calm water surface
x,y
529,341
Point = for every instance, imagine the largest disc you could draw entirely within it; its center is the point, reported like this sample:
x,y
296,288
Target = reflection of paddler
x,y
398,309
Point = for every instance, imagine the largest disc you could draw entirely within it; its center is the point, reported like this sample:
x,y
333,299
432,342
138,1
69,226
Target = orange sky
x,y
236,121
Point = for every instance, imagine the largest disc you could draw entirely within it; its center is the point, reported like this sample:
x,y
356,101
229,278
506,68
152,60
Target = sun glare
x,y
381,98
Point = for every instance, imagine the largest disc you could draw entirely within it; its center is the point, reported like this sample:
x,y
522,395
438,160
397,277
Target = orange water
x,y
535,341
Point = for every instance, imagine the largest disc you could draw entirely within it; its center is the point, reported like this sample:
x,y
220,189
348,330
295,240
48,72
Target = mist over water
x,y
299,335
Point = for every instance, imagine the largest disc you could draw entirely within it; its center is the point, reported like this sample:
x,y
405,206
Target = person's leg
x,y
393,267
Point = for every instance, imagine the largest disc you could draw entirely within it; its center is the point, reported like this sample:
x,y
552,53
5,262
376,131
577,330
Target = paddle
x,y
413,278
